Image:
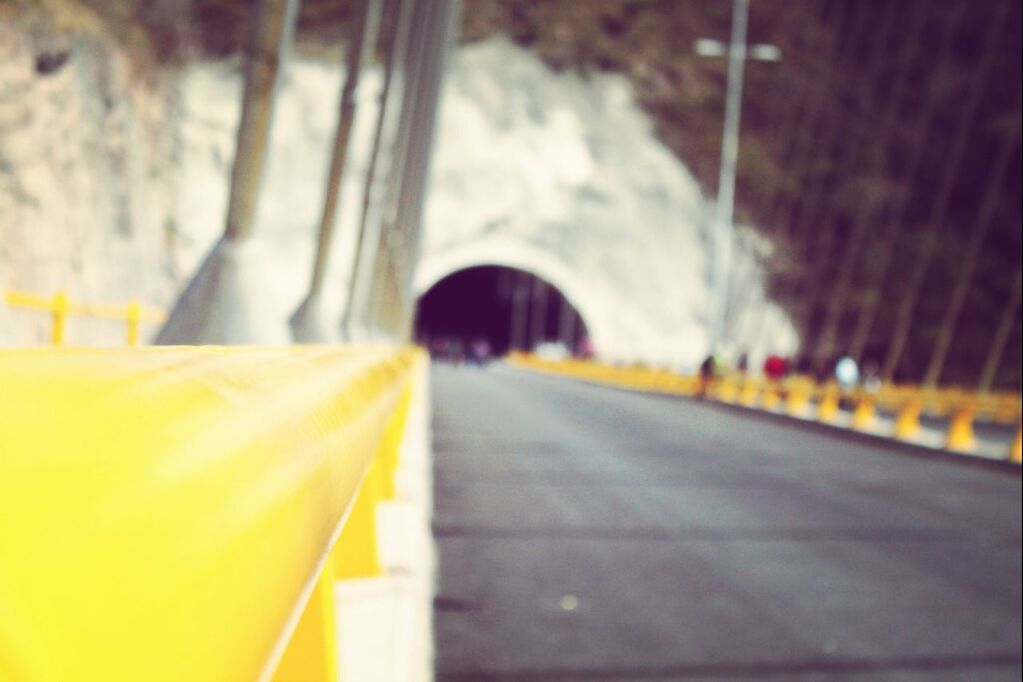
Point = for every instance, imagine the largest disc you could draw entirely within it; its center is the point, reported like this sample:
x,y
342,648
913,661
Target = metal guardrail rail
x,y
60,307
181,513
803,397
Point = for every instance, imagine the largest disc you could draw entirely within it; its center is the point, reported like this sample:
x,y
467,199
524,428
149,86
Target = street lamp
x,y
737,53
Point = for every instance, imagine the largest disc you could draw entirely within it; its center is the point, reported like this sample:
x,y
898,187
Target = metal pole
x,y
883,258
403,225
308,323
865,220
841,143
448,23
381,164
272,29
724,206
360,46
380,286
810,231
382,298
936,223
994,357
985,218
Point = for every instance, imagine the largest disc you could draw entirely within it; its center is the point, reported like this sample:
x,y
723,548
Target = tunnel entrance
x,y
509,309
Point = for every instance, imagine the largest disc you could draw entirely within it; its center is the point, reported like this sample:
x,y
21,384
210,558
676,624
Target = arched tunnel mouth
x,y
500,309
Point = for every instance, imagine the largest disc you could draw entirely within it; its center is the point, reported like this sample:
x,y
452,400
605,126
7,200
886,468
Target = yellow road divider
x,y
864,415
907,425
750,392
828,408
800,396
175,513
960,431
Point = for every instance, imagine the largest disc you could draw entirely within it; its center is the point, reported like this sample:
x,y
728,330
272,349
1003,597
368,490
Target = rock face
x,y
113,188
86,159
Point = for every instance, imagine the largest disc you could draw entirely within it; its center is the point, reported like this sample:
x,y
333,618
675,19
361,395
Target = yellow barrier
x,y
907,424
828,406
960,431
169,513
864,414
750,392
799,391
772,397
60,307
727,390
798,395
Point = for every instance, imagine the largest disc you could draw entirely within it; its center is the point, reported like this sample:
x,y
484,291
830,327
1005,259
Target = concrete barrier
x,y
801,397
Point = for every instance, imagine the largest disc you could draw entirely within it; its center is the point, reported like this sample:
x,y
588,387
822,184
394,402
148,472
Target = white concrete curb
x,y
385,623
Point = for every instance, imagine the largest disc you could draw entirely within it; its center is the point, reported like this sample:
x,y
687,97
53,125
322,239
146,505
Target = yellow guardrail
x,y
802,396
181,513
60,307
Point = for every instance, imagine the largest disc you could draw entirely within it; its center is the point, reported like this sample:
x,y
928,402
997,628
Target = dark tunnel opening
x,y
506,308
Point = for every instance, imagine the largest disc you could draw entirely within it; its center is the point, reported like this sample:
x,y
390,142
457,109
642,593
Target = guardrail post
x,y
60,307
133,318
311,655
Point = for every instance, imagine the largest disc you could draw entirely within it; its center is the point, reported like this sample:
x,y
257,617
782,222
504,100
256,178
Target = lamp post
x,y
737,53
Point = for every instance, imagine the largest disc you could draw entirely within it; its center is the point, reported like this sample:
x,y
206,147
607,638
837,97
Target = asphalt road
x,y
587,533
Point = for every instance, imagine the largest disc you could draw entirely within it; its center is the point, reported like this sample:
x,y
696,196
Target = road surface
x,y
587,533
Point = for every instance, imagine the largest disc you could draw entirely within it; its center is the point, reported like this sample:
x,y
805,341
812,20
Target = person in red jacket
x,y
775,367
